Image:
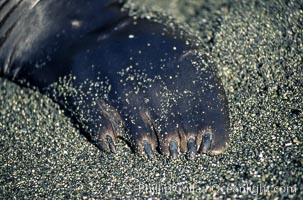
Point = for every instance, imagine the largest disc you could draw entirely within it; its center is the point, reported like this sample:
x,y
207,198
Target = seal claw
x,y
192,149
148,149
173,149
206,142
110,143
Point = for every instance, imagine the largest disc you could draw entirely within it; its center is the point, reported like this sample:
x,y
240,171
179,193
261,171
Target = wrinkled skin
x,y
118,76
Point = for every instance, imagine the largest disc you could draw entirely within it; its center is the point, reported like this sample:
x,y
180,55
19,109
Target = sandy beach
x,y
258,50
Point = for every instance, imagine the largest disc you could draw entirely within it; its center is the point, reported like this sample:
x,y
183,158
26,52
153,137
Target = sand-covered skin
x,y
258,49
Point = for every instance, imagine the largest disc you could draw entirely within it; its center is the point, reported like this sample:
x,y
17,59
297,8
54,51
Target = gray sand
x,y
258,49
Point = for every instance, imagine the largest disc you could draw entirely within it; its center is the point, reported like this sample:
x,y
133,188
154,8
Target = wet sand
x,y
258,49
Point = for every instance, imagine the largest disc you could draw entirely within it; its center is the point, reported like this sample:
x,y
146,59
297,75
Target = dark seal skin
x,y
119,76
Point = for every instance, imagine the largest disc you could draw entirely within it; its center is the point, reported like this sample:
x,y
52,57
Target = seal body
x,y
119,76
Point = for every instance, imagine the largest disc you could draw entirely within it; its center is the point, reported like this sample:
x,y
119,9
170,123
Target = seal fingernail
x,y
148,149
111,144
173,149
206,141
192,149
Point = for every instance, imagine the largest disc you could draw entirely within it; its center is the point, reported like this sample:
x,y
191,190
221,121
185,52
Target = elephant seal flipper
x,y
118,75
